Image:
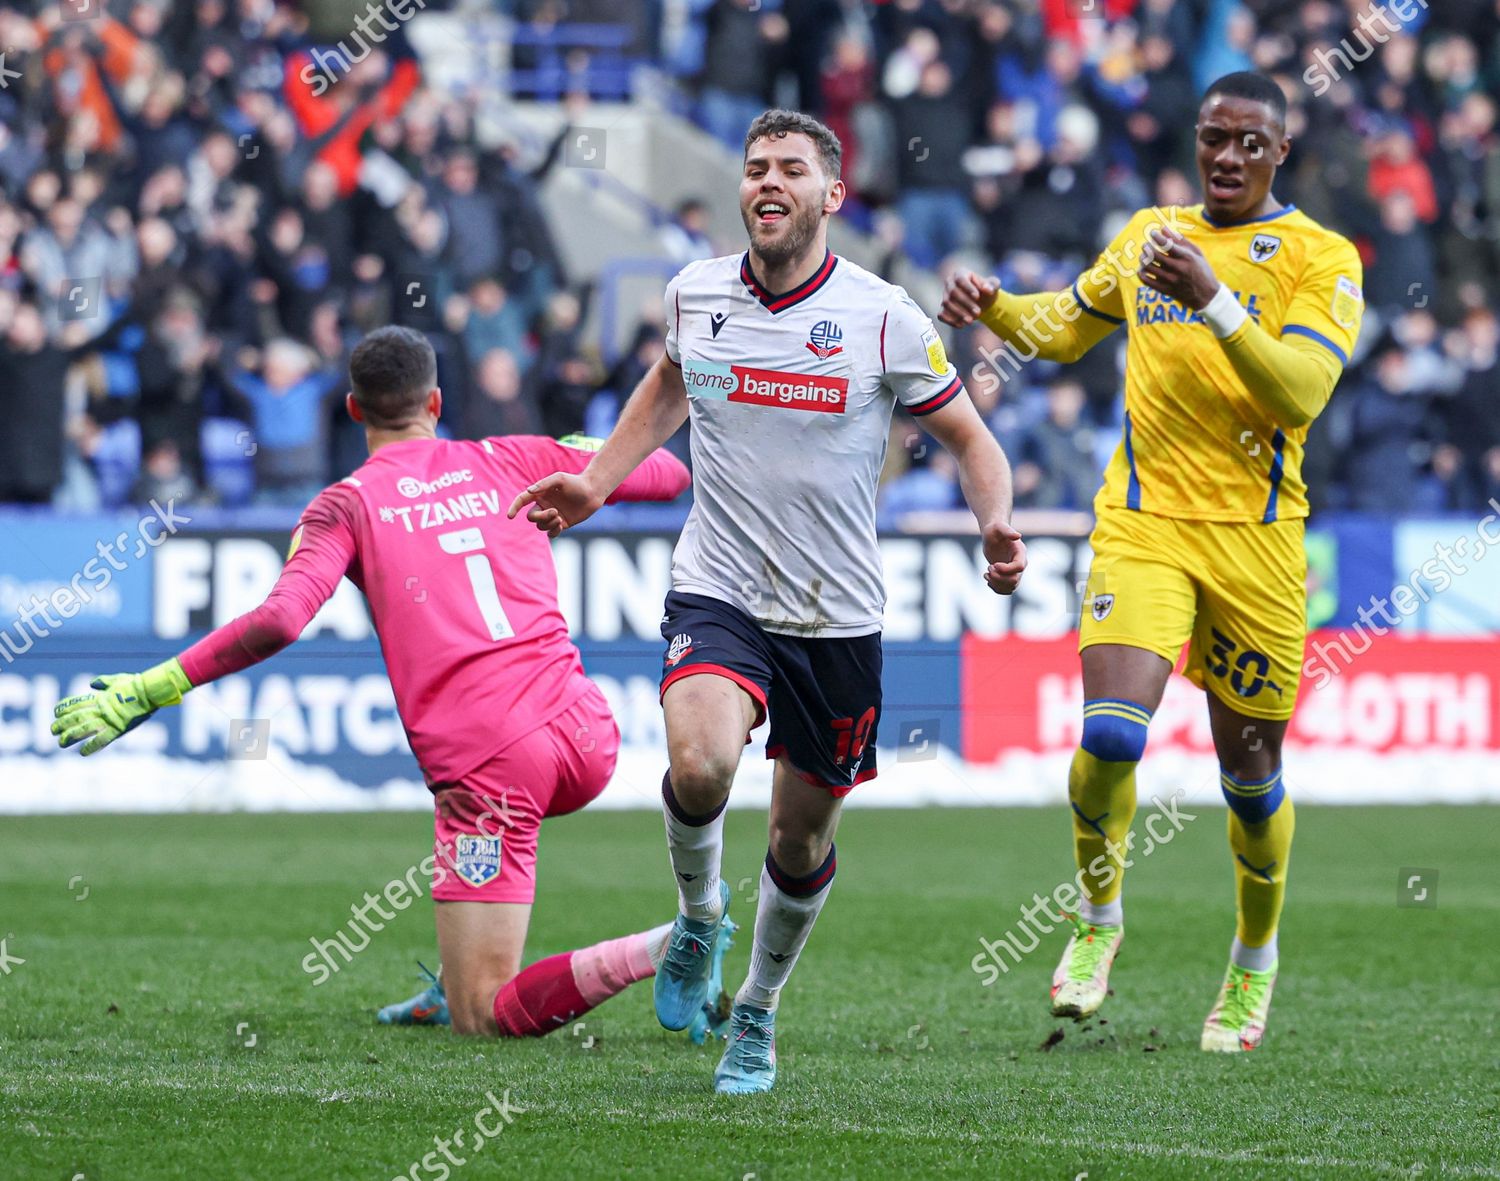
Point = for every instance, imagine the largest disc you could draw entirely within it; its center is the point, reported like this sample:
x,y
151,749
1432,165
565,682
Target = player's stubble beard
x,y
801,231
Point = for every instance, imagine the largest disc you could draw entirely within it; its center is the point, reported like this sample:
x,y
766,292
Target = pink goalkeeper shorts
x,y
487,823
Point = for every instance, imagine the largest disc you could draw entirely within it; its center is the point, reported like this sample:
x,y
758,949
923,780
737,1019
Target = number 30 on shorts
x,y
1248,676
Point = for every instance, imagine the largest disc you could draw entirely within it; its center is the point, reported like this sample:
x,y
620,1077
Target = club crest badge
x,y
476,859
1264,247
681,645
823,340
1101,606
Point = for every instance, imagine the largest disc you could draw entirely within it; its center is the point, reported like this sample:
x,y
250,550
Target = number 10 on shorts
x,y
851,738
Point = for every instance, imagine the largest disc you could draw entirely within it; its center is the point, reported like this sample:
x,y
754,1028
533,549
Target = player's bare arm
x,y
655,410
984,475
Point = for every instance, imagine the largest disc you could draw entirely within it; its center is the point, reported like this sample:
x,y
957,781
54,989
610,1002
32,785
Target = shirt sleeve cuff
x,y
1224,313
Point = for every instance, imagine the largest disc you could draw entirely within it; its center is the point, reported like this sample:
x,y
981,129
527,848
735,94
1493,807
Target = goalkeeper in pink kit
x,y
492,694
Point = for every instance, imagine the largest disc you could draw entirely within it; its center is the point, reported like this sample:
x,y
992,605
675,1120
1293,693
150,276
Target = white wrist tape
x,y
1224,313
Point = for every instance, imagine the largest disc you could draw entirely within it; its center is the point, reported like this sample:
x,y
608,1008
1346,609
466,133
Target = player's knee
x,y
1256,757
701,778
798,852
471,1006
1254,801
1114,730
469,1018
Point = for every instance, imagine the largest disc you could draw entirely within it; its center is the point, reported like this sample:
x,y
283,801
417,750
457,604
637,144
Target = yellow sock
x,y
1103,798
1261,823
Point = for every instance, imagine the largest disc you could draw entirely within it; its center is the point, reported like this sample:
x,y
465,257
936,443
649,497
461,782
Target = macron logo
x,y
766,387
411,487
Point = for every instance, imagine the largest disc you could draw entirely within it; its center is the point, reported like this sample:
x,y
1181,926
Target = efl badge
x,y
1102,606
823,340
937,359
681,645
477,859
1348,299
296,541
1264,247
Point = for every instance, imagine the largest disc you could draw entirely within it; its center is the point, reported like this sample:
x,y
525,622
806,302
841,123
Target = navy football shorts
x,y
822,694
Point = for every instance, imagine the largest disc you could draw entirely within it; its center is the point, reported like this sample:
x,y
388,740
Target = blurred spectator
x,y
1471,428
737,66
494,322
563,378
163,477
932,130
1170,94
1056,465
927,487
32,399
1390,442
473,216
69,259
500,406
1404,273
288,398
685,238
848,90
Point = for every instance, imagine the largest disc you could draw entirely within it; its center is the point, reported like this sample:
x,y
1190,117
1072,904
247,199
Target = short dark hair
x,y
390,373
1247,84
777,123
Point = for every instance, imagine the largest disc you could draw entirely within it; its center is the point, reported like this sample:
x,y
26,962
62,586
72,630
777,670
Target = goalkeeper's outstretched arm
x,y
322,550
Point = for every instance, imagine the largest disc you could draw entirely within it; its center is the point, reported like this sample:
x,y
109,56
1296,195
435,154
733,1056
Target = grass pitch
x,y
156,948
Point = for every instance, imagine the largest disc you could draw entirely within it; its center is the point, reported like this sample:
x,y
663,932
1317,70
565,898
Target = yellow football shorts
x,y
1236,592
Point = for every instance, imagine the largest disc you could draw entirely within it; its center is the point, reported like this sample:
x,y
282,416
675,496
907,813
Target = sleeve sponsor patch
x,y
937,357
296,541
1348,301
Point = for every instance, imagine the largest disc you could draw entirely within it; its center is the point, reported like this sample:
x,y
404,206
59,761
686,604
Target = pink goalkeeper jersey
x,y
464,600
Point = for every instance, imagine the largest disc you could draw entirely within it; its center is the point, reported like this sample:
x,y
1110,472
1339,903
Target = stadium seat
x,y
117,461
227,463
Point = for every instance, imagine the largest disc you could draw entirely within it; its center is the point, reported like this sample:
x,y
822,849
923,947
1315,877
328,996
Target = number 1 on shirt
x,y
481,579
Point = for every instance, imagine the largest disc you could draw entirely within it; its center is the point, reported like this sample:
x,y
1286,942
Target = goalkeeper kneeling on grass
x,y
489,687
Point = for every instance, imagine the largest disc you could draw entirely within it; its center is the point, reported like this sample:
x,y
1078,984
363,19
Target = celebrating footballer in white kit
x,y
789,360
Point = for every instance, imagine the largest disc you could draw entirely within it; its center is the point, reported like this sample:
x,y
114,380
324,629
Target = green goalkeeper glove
x,y
123,702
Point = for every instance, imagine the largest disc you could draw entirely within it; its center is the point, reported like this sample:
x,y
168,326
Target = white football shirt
x,y
790,399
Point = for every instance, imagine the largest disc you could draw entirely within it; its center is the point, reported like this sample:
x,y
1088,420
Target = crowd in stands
x,y
202,208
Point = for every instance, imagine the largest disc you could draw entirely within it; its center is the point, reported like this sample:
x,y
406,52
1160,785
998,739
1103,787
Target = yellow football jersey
x,y
1195,444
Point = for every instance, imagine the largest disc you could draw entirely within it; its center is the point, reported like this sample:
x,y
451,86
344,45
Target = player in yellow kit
x,y
1241,314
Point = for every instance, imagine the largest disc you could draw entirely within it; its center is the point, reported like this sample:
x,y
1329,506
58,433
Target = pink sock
x,y
612,966
562,988
540,999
